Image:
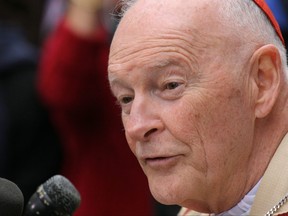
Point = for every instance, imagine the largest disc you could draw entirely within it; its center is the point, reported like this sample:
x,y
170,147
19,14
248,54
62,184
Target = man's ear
x,y
266,66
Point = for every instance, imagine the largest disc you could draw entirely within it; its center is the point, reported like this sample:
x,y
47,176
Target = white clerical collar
x,y
244,206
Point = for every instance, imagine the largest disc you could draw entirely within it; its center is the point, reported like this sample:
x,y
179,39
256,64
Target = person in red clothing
x,y
73,85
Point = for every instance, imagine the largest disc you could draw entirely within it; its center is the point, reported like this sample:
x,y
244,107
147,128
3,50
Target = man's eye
x,y
126,100
172,85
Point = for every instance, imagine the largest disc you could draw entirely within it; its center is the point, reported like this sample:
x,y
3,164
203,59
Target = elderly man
x,y
203,89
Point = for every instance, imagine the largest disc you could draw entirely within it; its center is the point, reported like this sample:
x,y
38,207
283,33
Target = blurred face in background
x,y
185,110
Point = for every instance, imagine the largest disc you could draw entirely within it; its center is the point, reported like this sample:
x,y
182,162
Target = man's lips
x,y
162,162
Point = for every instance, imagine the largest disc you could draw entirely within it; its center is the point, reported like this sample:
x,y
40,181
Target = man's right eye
x,y
125,100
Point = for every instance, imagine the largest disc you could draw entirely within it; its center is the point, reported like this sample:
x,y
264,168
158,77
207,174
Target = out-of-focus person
x,y
75,89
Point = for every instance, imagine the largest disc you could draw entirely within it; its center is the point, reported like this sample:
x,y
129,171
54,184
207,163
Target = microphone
x,y
11,199
56,197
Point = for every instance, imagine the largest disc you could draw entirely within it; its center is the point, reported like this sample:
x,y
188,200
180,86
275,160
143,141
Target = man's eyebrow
x,y
112,79
164,64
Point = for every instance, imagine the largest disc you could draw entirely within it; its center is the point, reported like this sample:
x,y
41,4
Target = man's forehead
x,y
149,17
141,28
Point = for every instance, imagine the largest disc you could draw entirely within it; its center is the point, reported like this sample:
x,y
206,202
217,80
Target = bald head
x,y
149,17
192,24
225,19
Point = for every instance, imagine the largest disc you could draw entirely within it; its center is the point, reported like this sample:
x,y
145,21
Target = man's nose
x,y
144,120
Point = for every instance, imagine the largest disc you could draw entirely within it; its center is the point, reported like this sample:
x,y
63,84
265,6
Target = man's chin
x,y
165,193
172,190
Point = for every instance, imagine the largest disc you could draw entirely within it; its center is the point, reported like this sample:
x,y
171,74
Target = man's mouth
x,y
162,162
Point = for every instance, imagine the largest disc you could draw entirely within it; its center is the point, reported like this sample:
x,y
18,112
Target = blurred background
x,y
280,10
57,115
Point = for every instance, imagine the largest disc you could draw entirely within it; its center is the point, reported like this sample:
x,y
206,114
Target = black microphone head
x,y
63,195
56,197
11,199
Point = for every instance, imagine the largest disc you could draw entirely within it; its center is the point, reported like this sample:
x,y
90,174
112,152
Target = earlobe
x,y
267,78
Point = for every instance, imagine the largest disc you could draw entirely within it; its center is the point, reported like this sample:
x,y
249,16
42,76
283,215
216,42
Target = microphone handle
x,y
40,205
